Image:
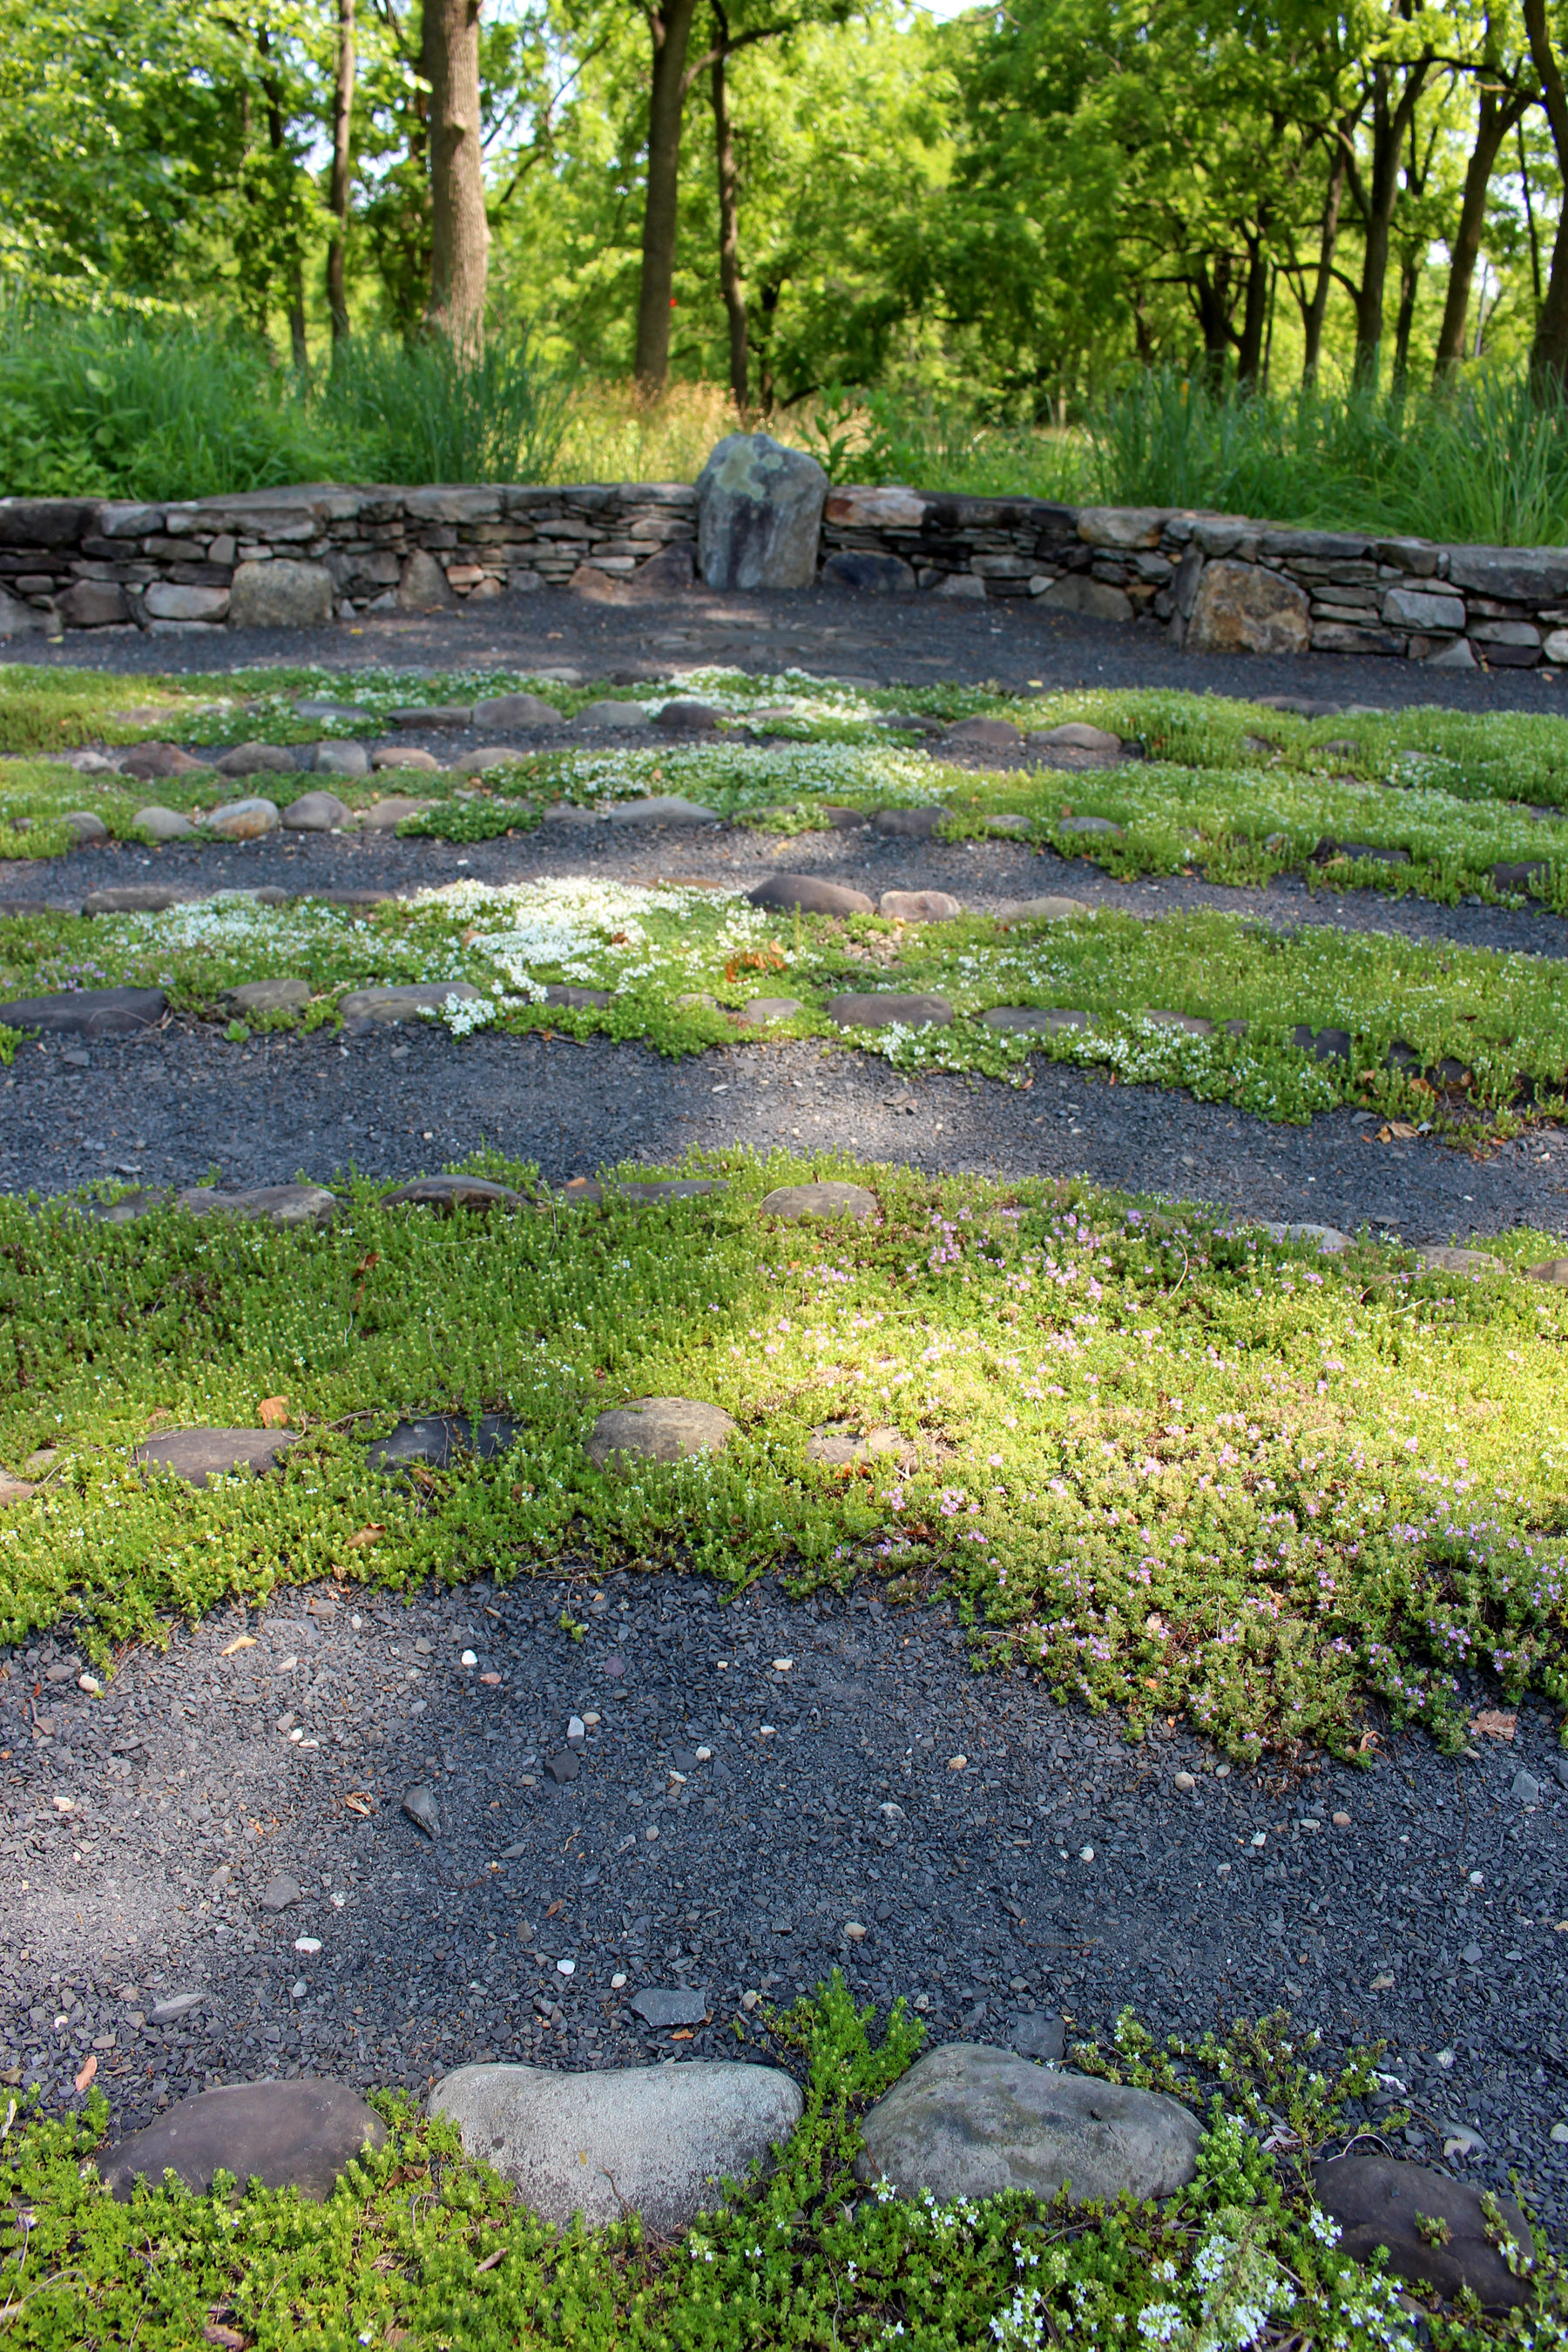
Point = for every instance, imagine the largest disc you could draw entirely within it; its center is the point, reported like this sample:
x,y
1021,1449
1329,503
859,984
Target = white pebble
x,y
766,1731
309,1945
617,1980
89,1683
566,1967
469,1659
1475,1878
299,1988
855,1931
1184,1780
576,1729
338,1901
650,1834
1086,1854
1260,1838
782,1665
296,1736
956,1763
705,1756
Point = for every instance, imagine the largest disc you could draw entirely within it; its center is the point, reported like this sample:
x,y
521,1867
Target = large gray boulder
x,y
1244,608
1380,2200
656,2140
971,2121
759,514
658,1429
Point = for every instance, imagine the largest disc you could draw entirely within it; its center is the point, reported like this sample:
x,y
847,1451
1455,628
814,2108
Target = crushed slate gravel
x,y
893,641
1058,1873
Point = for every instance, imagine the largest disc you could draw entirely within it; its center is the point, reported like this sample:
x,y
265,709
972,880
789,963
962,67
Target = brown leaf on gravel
x,y
273,1412
241,1642
358,1801
364,1536
90,2068
1402,1129
1497,1722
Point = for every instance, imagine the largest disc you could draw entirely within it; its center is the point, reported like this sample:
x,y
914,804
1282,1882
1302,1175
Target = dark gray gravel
x,y
898,641
187,1798
176,1106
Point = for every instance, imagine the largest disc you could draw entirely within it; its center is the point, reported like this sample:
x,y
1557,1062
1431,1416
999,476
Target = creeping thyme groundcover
x,y
1165,1464
420,2247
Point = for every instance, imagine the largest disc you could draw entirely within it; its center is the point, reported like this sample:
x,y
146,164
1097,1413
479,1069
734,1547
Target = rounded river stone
x,y
919,905
657,2140
260,996
298,2136
280,1205
1379,2200
315,813
811,895
198,1454
244,820
882,1009
972,2121
658,1429
449,1192
89,1012
364,1007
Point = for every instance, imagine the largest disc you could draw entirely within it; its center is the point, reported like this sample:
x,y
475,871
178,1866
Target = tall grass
x,y
130,407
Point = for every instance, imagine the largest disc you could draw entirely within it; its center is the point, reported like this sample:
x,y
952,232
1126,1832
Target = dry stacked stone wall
x,y
301,557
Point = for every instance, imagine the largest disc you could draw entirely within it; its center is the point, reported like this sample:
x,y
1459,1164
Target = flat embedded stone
x,y
416,1000
256,760
300,2135
279,1205
1193,1023
438,714
246,819
919,905
527,712
662,2006
988,734
88,831
1551,1269
576,999
259,996
619,715
198,1454
761,1010
135,898
89,1011
315,813
1048,1019
1010,821
1323,1045
437,1437
838,1446
1049,909
886,1006
658,1429
163,824
685,716
486,759
1077,735
656,2140
1459,1261
911,823
449,1192
1379,2201
281,1893
972,2121
661,808
811,895
1089,824
795,1202
1328,1238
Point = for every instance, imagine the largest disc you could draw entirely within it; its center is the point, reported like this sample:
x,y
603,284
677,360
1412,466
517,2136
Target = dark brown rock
x,y
298,2136
812,896
198,1454
93,604
1378,2200
148,760
435,1437
586,1191
687,718
449,1192
912,824
988,734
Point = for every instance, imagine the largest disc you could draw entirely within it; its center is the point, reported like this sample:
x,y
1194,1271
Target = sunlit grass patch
x,y
1169,1466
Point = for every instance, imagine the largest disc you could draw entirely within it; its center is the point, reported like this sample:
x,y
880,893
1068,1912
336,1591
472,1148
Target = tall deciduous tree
x,y
459,231
338,187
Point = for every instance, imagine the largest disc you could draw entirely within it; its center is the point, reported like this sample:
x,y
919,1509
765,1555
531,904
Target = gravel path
x,y
1057,1872
896,641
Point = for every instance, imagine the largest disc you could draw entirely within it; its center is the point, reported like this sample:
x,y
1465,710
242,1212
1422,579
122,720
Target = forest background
x,y
1293,259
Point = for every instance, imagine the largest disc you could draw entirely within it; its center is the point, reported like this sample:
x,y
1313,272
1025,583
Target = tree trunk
x,y
1254,317
1314,311
1549,353
1212,301
671,29
1529,215
459,233
1409,283
1493,124
767,307
338,189
1376,198
293,264
730,284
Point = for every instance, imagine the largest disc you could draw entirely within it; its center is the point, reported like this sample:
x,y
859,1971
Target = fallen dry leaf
x,y
1497,1723
359,1802
682,2034
363,1536
1402,1129
90,2068
243,1642
490,2261
274,1411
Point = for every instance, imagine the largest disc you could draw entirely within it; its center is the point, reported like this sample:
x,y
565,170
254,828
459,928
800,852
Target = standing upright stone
x,y
759,514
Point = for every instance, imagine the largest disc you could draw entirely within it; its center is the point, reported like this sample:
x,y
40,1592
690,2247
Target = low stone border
x,y
1216,583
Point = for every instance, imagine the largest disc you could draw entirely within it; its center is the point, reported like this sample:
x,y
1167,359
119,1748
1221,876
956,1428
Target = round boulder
x,y
972,2121
256,760
794,1203
1379,2201
1077,735
163,824
298,2136
811,895
658,1429
1440,1260
346,759
764,1009
315,813
243,820
919,905
985,734
911,823
654,2141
